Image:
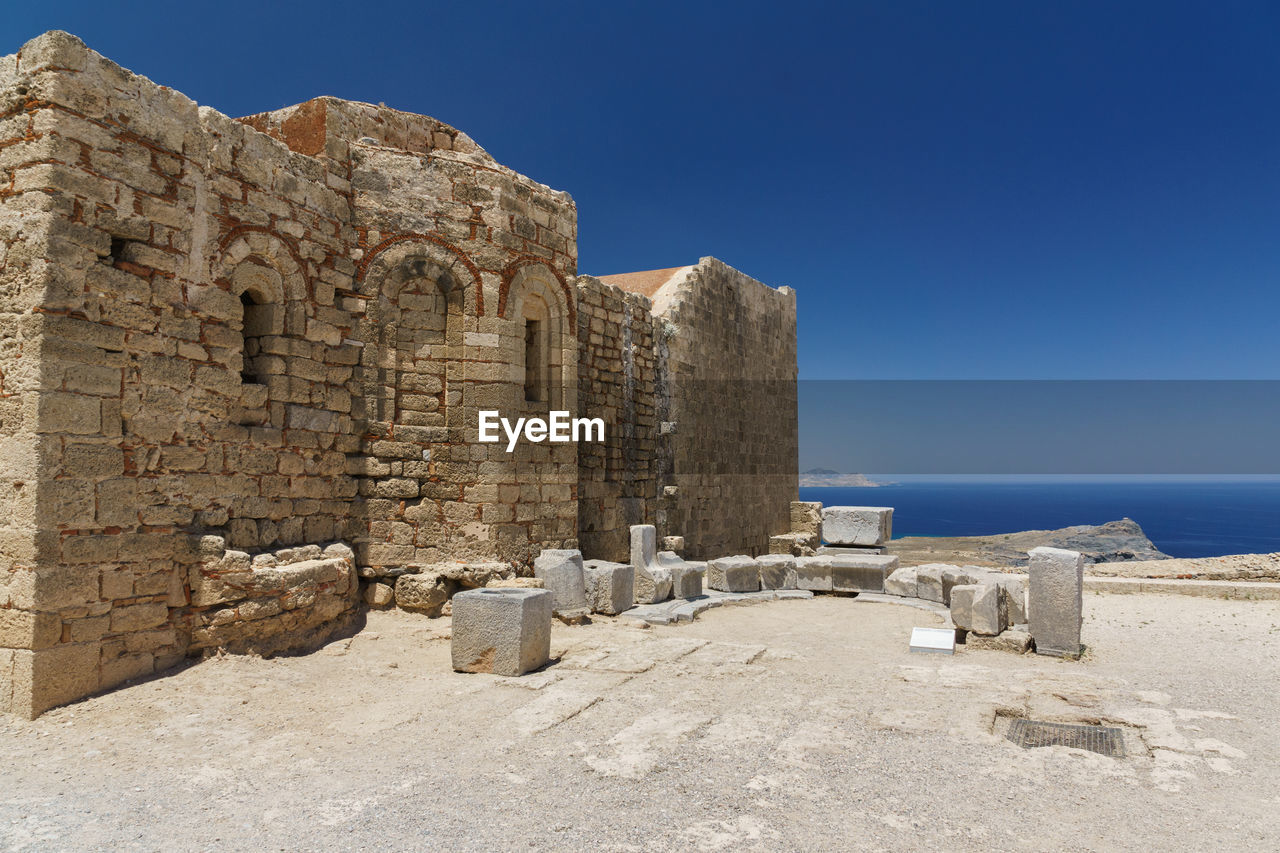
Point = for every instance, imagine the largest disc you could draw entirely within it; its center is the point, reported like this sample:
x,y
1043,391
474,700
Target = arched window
x,y
261,315
256,318
536,351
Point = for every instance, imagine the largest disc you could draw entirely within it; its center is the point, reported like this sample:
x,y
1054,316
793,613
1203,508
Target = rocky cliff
x,y
1115,541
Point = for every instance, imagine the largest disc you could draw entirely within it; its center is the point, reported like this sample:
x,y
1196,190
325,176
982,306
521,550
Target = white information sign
x,y
937,640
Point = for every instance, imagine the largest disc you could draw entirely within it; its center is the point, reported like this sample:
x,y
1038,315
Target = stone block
x,y
1013,597
1055,602
644,545
50,677
734,574
953,576
777,571
652,582
652,585
794,544
861,572
806,517
421,593
673,543
1018,642
502,631
929,581
561,572
840,550
857,525
813,573
610,587
686,579
379,594
976,608
902,582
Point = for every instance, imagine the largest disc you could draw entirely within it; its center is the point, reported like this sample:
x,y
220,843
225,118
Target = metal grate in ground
x,y
1103,740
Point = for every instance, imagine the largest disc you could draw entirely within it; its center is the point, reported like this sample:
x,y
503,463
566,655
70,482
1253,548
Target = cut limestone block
x,y
610,587
976,608
652,585
1055,603
1013,597
502,631
857,525
734,574
673,543
841,550
902,582
929,581
862,572
806,517
777,571
561,572
686,579
795,544
953,576
813,573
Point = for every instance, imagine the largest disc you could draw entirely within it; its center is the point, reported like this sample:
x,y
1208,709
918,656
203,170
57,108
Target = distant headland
x,y
817,477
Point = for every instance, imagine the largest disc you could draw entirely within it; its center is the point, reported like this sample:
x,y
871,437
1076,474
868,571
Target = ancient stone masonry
x,y
724,389
241,365
731,385
618,479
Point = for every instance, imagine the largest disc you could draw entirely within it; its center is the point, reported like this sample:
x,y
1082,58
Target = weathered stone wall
x,y
617,363
242,362
210,332
455,253
730,388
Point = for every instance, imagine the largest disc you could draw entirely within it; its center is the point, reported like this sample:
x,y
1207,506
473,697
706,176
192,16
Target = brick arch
x,y
392,259
253,242
523,263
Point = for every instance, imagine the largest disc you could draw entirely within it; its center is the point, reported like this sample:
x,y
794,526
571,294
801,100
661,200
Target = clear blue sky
x,y
1019,189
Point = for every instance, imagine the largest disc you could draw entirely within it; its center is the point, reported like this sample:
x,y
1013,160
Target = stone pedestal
x,y
652,584
561,572
1055,603
502,631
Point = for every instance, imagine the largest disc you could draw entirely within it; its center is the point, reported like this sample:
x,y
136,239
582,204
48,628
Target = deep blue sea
x,y
1183,519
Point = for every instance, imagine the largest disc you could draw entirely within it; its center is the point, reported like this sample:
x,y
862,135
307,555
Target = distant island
x,y
827,477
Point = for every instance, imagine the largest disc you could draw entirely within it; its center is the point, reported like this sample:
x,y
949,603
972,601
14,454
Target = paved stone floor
x,y
802,724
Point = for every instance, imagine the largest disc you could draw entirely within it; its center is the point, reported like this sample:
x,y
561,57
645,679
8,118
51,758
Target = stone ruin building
x,y
241,363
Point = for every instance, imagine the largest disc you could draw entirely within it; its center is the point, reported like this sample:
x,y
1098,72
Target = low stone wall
x,y
289,600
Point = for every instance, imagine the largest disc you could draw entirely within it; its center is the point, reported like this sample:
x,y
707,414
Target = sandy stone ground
x,y
1247,567
787,725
